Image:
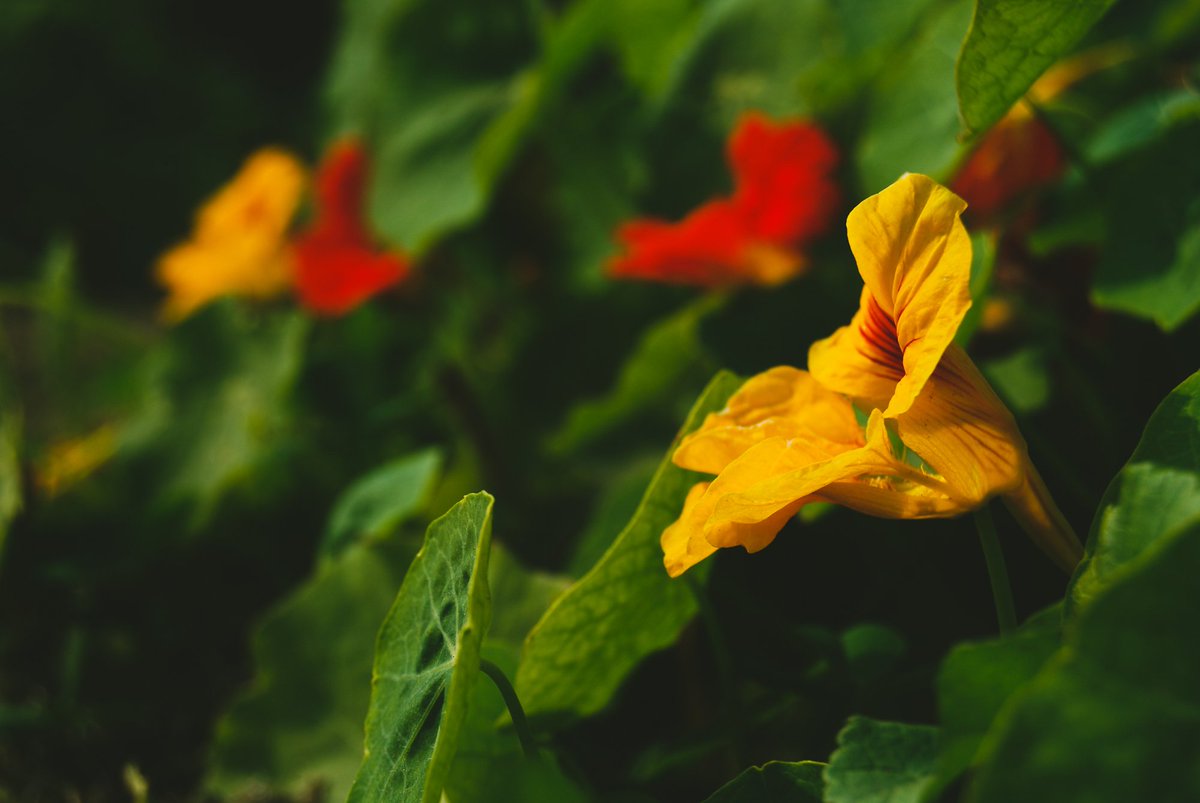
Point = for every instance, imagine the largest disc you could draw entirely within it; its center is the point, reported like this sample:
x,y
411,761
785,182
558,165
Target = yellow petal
x,y
262,197
777,474
1032,506
964,432
915,258
892,498
239,244
862,360
683,542
781,402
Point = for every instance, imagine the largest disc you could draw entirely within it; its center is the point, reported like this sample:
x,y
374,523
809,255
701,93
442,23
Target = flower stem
x,y
520,723
1006,612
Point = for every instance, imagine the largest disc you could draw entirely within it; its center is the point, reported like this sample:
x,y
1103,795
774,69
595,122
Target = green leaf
x,y
1022,379
667,362
220,411
799,782
1157,491
374,505
1115,716
975,682
1141,123
427,660
912,114
650,39
1150,260
881,762
1011,43
622,610
616,505
446,114
301,723
808,57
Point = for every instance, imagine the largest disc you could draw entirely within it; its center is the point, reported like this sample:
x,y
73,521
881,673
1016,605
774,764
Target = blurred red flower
x,y
337,265
783,197
1019,155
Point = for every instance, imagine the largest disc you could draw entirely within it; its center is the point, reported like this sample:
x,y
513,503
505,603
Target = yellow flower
x,y
238,245
937,443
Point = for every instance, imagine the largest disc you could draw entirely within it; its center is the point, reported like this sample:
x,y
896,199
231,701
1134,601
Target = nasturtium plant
x,y
942,257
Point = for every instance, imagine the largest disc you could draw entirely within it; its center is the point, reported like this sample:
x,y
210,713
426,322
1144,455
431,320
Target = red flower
x,y
1019,155
783,197
337,267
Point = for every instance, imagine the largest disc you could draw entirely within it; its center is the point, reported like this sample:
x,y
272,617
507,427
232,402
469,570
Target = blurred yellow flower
x,y
938,442
239,243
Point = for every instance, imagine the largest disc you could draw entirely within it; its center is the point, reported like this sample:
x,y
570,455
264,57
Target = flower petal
x,y
776,474
762,462
706,248
683,542
782,173
781,402
337,265
964,432
862,360
261,198
238,243
915,258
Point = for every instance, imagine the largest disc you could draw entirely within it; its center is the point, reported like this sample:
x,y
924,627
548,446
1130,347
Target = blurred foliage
x,y
205,526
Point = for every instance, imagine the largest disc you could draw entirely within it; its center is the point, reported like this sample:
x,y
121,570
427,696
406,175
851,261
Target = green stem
x,y
1006,612
520,723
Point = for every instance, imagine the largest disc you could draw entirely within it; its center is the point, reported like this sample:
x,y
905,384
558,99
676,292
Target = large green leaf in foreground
x,y
301,722
1011,42
622,610
427,660
975,682
1157,491
1115,716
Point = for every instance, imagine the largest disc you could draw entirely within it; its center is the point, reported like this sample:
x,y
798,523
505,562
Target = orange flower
x,y
238,245
337,266
783,197
938,441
